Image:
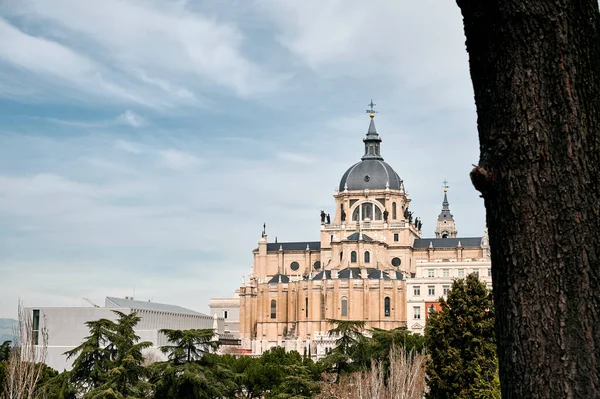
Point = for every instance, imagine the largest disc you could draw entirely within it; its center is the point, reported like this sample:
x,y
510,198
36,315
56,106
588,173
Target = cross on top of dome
x,y
371,111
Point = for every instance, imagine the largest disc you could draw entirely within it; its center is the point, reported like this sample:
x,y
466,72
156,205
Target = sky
x,y
143,143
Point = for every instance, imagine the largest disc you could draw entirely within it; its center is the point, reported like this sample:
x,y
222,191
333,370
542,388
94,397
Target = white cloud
x,y
131,118
414,45
179,160
128,146
296,158
150,52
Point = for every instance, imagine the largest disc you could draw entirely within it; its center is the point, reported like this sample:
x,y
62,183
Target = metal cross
x,y
445,184
371,111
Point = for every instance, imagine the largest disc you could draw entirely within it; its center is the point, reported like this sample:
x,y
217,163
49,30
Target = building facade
x,y
229,310
66,326
359,269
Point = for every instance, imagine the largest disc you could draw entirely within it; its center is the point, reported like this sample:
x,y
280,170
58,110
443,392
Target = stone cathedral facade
x,y
357,270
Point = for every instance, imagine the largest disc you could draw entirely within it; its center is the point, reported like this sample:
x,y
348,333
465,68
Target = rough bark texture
x,y
535,67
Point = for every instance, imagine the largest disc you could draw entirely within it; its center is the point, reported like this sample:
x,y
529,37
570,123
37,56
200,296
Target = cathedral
x,y
363,267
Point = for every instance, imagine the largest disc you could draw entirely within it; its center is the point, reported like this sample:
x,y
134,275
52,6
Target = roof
x,y
372,174
294,246
376,274
356,237
445,213
466,242
353,272
326,273
279,278
113,302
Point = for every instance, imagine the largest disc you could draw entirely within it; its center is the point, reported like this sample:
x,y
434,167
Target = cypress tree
x,y
462,344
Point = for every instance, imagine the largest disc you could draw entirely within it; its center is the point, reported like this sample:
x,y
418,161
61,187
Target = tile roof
x,y
466,242
356,237
294,246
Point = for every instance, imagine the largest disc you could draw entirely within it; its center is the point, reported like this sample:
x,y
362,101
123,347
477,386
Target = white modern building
x,y
433,280
66,326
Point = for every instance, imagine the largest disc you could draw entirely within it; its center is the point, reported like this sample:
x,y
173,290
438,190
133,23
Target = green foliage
x,y
94,356
109,361
189,345
461,343
5,351
351,346
60,387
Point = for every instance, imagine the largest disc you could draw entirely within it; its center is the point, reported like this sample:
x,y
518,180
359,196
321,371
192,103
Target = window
x,y
461,273
353,256
36,326
378,213
367,211
489,272
356,214
394,210
386,306
396,262
417,312
431,290
294,266
396,237
417,290
306,307
331,238
367,257
273,308
224,314
446,272
317,265
445,289
476,272
344,306
431,273
341,255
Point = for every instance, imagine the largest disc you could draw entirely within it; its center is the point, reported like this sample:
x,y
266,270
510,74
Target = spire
x,y
445,213
445,222
372,141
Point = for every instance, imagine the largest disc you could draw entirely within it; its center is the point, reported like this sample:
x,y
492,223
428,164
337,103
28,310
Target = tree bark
x,y
535,67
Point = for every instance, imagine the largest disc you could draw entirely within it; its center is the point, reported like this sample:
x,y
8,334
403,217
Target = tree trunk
x,y
535,67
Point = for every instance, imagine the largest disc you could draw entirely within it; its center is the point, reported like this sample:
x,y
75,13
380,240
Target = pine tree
x,y
461,343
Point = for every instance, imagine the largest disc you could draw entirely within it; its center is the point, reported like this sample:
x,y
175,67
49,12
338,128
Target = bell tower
x,y
445,228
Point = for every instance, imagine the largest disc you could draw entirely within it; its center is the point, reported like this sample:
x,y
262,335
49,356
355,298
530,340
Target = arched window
x,y
367,257
344,306
353,256
356,214
394,210
273,308
386,306
341,255
367,211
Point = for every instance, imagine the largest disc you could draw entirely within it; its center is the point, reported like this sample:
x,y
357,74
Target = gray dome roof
x,y
372,174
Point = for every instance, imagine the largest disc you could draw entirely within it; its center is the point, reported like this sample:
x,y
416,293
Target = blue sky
x,y
144,143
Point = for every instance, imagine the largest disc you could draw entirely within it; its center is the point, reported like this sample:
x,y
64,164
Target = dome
x,y
372,174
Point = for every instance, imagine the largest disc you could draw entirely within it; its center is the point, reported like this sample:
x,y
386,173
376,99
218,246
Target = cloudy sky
x,y
143,143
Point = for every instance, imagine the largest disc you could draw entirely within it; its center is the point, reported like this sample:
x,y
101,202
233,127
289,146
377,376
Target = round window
x,y
396,262
317,265
294,266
